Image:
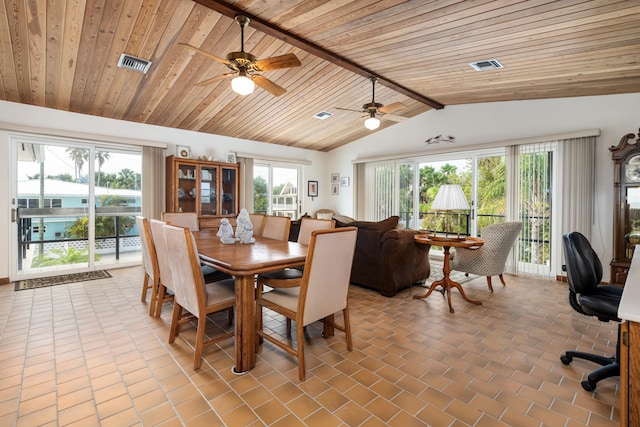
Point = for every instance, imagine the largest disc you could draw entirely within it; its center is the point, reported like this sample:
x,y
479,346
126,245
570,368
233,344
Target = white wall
x,y
18,116
614,115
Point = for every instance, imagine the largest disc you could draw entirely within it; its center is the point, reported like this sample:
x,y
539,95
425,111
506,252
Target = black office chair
x,y
587,296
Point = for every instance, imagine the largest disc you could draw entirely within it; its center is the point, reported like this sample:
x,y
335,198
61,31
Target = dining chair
x,y
151,278
307,226
163,255
183,219
322,291
191,293
209,274
276,227
258,223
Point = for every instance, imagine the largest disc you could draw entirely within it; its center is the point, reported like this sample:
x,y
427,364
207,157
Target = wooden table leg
x,y
328,330
447,284
245,324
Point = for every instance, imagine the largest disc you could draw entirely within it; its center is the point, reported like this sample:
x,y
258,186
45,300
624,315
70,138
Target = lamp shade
x,y
450,198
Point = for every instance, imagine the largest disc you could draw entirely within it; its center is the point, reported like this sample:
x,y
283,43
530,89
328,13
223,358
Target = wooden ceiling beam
x,y
292,39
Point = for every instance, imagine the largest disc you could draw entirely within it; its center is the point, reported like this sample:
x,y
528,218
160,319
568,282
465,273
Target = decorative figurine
x,y
244,228
225,233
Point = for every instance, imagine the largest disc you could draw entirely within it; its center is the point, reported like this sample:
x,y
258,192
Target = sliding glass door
x,y
73,207
482,177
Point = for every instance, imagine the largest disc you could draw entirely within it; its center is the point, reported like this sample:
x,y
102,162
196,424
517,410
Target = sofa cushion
x,y
381,226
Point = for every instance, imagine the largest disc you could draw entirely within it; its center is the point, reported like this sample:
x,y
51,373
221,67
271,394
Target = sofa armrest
x,y
403,262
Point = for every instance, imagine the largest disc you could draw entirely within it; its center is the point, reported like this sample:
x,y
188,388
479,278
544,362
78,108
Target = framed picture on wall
x,y
335,189
231,157
335,178
312,188
344,181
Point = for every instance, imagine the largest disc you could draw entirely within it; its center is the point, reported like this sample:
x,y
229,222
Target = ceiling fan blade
x,y
268,85
207,54
391,107
214,79
277,62
395,118
348,109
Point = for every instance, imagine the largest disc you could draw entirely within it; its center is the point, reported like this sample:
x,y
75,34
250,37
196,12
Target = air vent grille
x,y
133,63
322,115
489,64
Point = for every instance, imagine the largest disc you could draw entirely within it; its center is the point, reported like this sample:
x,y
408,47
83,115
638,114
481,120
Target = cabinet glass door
x,y
187,190
208,196
229,191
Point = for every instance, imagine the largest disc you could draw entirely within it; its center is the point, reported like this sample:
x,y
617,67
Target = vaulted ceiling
x,y
64,55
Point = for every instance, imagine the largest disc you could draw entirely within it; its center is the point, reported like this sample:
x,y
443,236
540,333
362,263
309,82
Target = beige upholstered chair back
x,y
182,219
307,225
324,214
490,259
276,227
258,223
157,231
149,260
187,277
325,283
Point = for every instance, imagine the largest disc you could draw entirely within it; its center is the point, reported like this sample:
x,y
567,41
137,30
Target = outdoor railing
x,y
25,217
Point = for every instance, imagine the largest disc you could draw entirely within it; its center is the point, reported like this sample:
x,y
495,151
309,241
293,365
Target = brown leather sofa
x,y
387,258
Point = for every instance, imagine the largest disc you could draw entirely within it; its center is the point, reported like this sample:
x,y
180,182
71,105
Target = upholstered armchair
x,y
490,259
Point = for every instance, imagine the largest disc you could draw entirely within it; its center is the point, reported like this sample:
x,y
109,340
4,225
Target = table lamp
x,y
450,198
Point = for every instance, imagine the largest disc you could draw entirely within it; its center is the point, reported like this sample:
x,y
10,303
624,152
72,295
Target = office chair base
x,y
610,367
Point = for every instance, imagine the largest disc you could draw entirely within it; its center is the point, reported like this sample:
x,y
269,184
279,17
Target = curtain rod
x,y
80,136
497,144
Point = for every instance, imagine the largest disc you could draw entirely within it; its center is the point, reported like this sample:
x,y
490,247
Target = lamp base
x,y
444,238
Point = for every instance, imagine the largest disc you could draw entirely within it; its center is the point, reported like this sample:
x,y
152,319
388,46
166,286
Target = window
x,y
275,189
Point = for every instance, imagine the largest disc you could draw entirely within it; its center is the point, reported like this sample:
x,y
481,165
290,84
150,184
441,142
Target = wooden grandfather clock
x,y
626,212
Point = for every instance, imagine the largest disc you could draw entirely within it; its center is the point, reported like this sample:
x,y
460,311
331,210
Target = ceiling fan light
x,y
372,123
242,85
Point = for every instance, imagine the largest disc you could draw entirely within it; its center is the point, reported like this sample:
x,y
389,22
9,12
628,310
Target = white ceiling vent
x,y
133,63
489,64
322,115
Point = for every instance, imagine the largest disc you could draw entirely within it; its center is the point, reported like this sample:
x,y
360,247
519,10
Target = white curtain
x,y
577,163
513,197
246,183
153,181
376,190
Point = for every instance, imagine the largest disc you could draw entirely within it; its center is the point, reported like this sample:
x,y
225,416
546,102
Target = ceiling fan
x,y
245,67
374,109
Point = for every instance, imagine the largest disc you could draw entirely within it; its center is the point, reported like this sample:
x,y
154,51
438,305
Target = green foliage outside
x,y
61,256
260,195
105,225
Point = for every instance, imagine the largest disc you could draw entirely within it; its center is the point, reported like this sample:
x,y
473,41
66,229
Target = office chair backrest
x,y
584,269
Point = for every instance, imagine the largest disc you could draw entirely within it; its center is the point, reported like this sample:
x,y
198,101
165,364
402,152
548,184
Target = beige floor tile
x,y
89,354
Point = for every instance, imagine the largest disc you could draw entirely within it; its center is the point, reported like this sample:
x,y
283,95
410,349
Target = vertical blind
x,y
378,190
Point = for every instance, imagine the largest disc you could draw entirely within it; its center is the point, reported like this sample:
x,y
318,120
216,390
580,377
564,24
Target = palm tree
x,y
79,156
101,157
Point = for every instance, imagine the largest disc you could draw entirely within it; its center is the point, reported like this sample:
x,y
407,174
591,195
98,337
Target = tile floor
x,y
88,354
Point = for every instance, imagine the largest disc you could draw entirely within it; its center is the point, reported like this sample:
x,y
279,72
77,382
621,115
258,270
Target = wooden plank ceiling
x,y
64,55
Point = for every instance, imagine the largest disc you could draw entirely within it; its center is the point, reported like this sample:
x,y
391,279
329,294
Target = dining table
x,y
244,262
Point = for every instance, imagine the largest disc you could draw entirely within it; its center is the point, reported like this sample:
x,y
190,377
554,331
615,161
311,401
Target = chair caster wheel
x,y
566,359
588,385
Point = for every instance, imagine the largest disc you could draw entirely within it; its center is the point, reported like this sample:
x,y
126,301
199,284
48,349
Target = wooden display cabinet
x,y
626,206
211,189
